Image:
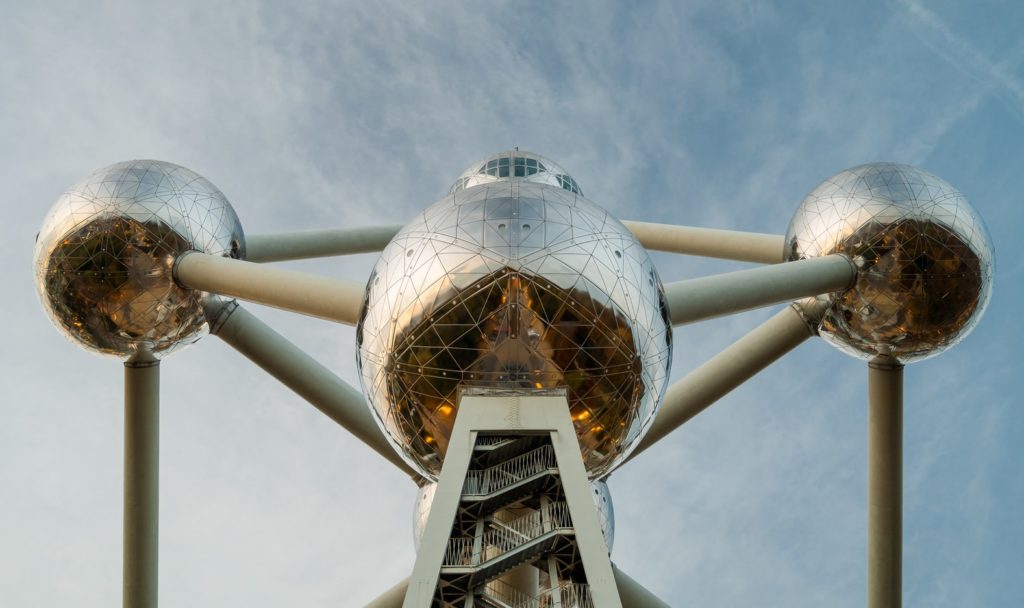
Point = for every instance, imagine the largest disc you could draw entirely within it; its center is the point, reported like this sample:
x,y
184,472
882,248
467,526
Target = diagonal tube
x,y
300,292
730,368
722,294
317,243
298,371
709,242
633,593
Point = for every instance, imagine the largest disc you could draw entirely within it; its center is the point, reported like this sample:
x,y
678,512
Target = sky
x,y
343,114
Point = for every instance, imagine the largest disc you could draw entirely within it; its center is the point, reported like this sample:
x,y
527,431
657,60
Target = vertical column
x,y
141,480
885,483
554,582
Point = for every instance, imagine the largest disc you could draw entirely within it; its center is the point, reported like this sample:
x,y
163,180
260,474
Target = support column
x,y
141,480
524,578
885,483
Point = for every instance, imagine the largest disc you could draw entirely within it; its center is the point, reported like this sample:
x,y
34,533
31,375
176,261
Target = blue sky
x,y
719,114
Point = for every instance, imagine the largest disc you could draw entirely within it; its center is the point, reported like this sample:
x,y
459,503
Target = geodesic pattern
x,y
599,491
104,256
925,259
514,285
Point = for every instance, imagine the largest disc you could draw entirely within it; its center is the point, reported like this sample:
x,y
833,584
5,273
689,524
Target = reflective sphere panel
x,y
514,285
104,256
602,502
925,259
605,511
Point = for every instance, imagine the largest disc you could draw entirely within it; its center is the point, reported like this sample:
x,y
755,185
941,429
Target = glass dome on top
x,y
516,165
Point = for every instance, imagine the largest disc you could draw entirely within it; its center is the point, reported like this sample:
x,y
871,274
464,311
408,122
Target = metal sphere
x,y
104,256
600,492
421,511
925,260
605,511
514,283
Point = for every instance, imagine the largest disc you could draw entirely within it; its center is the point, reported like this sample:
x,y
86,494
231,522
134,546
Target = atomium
x,y
925,259
104,256
600,492
514,281
546,314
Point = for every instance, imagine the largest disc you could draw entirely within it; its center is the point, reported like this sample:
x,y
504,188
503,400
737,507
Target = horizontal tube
x,y
317,243
709,242
730,368
299,292
303,374
722,294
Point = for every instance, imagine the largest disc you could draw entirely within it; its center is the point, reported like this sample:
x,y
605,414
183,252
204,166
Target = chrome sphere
x,y
925,260
605,511
421,511
104,256
602,502
520,283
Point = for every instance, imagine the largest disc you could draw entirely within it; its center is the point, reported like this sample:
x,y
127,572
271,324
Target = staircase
x,y
497,594
512,512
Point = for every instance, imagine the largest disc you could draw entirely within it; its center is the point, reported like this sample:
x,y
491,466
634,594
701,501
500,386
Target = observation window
x,y
568,183
516,166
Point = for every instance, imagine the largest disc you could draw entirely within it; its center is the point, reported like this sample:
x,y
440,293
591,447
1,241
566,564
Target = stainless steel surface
x,y
104,253
885,483
925,258
605,511
514,284
141,481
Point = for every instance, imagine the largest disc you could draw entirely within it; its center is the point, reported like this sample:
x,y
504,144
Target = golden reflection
x,y
923,253
512,330
920,284
111,281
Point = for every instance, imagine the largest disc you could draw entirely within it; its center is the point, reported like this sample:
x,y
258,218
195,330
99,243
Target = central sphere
x,y
514,281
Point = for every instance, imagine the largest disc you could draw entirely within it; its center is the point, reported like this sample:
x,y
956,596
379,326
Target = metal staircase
x,y
511,514
512,523
497,594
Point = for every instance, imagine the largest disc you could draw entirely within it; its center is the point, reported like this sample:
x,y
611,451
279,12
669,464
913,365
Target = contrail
x,y
965,57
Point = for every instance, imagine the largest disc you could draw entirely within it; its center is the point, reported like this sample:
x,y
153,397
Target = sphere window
x,y
520,166
568,183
